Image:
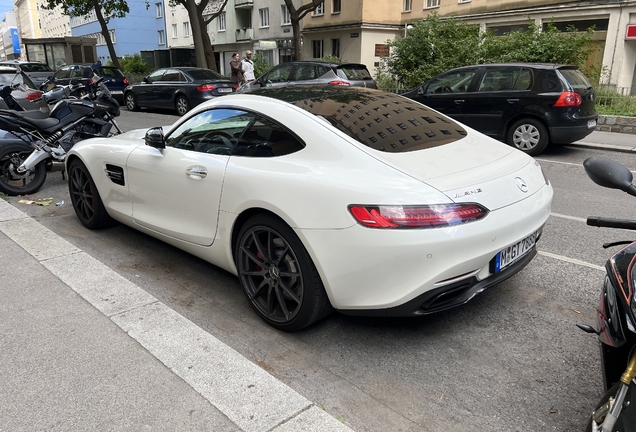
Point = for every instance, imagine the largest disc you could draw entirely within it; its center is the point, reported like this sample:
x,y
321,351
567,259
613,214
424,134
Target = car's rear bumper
x,y
394,272
572,129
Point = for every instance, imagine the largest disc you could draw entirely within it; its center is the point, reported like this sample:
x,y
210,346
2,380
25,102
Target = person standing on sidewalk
x,y
248,66
237,70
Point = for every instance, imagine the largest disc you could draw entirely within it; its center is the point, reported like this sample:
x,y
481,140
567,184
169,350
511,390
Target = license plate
x,y
117,92
591,124
225,90
514,252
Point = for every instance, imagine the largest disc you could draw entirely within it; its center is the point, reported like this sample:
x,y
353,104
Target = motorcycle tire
x,y
11,182
627,419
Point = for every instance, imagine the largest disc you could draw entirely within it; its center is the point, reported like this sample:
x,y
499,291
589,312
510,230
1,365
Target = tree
x,y
202,45
296,16
104,10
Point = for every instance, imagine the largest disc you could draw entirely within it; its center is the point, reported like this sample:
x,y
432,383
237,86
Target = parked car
x,y
526,105
314,72
27,96
180,88
114,78
36,71
323,196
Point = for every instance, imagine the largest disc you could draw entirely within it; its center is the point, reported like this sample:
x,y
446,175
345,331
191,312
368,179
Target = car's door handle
x,y
196,171
512,100
459,101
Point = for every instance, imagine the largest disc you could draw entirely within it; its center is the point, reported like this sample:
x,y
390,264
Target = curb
x,y
609,147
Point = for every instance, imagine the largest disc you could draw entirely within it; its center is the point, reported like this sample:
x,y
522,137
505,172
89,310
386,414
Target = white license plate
x,y
225,90
591,124
514,252
117,92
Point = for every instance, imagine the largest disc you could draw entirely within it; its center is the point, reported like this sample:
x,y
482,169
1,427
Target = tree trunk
x,y
208,49
298,46
106,33
197,33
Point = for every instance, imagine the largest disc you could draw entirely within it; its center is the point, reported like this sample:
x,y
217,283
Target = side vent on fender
x,y
115,173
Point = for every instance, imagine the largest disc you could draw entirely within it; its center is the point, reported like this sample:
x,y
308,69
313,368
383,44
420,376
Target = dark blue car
x,y
113,77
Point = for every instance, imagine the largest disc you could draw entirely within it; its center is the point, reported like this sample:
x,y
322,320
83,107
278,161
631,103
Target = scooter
x,y
616,313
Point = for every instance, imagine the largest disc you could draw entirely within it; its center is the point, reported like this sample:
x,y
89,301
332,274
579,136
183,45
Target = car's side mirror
x,y
420,91
145,80
154,138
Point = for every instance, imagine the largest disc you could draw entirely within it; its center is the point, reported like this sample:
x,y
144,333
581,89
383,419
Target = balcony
x,y
244,34
243,4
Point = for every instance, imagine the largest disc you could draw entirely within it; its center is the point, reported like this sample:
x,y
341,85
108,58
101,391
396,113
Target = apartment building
x,y
27,15
357,31
10,48
54,23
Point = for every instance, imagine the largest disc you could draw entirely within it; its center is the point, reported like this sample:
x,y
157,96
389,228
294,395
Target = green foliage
x,y
609,101
134,64
330,58
431,47
109,8
436,45
261,65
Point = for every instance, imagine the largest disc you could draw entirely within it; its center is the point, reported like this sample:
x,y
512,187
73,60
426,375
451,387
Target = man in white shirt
x,y
248,66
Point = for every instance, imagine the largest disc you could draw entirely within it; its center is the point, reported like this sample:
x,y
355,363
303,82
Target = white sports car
x,y
324,197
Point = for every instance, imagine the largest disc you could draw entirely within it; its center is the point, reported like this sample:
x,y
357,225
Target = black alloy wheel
x,y
278,276
131,103
11,181
87,203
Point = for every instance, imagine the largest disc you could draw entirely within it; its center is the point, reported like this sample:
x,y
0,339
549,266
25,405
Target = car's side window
x,y
505,79
215,131
266,138
63,73
280,74
155,76
322,70
454,82
305,72
172,76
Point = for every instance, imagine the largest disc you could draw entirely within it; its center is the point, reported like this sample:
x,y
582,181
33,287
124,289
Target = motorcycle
x,y
616,313
36,140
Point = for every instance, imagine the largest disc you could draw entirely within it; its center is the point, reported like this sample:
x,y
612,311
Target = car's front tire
x,y
87,203
278,275
131,103
528,135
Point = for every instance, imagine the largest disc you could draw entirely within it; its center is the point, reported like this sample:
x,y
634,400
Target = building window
x,y
463,1
159,8
320,10
335,47
337,6
286,15
267,56
408,5
175,31
186,28
222,22
162,37
432,4
319,48
264,14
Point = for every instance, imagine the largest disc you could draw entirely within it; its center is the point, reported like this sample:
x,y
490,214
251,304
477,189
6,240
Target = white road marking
x,y
565,163
571,260
578,219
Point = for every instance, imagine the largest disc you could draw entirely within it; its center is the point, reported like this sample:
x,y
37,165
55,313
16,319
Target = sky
x,y
5,6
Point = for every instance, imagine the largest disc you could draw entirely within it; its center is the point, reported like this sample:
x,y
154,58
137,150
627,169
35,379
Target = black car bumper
x,y
569,134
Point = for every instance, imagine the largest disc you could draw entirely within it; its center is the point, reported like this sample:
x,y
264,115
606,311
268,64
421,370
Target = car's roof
x,y
522,64
326,63
20,62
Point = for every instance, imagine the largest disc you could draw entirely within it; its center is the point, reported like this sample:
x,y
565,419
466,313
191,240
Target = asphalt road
x,y
510,360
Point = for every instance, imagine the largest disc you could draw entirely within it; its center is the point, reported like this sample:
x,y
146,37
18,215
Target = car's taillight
x,y
236,86
126,82
337,82
206,87
420,216
568,99
34,96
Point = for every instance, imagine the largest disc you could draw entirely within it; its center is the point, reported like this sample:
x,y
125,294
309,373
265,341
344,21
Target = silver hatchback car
x,y
313,72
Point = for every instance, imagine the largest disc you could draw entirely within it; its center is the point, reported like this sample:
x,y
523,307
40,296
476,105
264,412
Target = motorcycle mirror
x,y
610,174
588,329
97,65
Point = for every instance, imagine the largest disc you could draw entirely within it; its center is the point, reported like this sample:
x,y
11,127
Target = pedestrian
x,y
237,70
248,66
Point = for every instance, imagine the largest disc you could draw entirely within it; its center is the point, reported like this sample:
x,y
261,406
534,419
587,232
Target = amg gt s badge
x,y
467,193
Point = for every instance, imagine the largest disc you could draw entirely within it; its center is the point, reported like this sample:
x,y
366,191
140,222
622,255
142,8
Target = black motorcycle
x,y
35,139
616,312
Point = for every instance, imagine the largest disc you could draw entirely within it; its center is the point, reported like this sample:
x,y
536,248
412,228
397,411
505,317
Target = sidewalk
x,y
609,141
82,348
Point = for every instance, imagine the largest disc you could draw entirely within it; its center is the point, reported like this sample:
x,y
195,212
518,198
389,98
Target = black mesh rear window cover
x,y
382,121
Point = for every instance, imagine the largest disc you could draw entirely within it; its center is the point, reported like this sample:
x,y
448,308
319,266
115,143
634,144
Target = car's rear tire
x,y
87,203
528,135
13,183
131,103
182,105
278,275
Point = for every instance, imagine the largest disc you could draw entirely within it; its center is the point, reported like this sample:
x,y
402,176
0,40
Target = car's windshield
x,y
34,67
204,74
575,77
109,72
354,72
